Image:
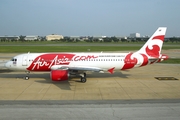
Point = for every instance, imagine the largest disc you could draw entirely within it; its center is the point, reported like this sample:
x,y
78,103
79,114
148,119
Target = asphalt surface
x,y
91,110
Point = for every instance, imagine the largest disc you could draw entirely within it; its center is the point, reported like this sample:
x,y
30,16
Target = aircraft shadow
x,y
44,78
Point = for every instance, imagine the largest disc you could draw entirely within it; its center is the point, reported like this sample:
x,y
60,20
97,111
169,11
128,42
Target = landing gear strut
x,y
27,75
83,78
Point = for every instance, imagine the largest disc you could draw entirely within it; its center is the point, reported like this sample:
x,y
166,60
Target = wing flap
x,y
85,68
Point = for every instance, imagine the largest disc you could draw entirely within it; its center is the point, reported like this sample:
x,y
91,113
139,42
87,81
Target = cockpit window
x,y
14,59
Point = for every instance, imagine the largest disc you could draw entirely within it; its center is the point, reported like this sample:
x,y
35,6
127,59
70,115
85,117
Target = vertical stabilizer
x,y
152,48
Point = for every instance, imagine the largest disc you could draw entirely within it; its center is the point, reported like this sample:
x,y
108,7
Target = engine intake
x,y
59,75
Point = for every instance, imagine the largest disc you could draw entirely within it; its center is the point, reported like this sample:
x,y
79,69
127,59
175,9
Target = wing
x,y
79,68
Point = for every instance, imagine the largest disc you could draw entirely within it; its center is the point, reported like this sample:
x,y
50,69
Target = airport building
x,y
54,37
135,35
9,38
31,38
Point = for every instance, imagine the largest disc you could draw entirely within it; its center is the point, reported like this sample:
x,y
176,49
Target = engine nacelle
x,y
59,75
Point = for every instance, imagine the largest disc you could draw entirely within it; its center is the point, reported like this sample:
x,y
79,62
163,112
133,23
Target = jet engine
x,y
59,75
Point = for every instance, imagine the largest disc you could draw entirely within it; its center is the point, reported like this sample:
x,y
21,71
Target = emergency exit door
x,y
24,60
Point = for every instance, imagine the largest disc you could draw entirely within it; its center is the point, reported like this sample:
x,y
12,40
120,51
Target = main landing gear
x,y
83,78
80,74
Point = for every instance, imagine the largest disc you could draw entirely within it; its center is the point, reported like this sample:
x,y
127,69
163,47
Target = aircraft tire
x,y
26,78
83,79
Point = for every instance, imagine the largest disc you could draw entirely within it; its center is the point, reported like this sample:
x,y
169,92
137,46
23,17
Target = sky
x,y
88,17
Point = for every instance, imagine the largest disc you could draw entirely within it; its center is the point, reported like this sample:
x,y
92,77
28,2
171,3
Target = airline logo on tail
x,y
151,50
153,46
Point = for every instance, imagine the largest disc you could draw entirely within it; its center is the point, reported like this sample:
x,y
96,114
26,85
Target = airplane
x,y
62,65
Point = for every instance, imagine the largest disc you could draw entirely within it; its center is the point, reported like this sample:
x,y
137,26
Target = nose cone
x,y
8,65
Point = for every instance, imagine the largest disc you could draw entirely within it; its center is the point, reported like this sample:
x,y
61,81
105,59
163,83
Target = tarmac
x,y
135,84
91,110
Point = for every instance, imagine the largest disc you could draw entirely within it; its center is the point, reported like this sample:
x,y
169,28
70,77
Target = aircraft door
x,y
25,60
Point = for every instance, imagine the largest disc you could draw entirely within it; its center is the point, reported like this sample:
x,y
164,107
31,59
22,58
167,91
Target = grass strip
x,y
24,49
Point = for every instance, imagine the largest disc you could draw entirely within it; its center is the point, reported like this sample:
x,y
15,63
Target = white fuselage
x,y
46,61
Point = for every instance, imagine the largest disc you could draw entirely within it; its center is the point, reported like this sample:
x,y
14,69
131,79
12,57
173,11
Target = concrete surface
x,y
91,110
138,83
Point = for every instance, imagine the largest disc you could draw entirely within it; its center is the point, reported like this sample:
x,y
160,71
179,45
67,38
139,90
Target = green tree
x,y
107,39
115,39
21,38
173,39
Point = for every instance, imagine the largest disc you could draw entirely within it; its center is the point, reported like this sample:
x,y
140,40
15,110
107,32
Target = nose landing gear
x,y
27,75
